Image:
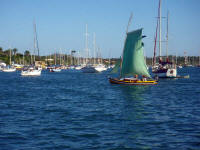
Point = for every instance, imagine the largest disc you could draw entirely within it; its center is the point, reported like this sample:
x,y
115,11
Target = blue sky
x,y
61,24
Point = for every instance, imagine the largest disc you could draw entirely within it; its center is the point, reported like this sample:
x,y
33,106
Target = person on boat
x,y
136,76
144,78
156,77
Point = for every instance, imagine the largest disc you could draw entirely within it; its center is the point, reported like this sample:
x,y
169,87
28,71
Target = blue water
x,y
77,111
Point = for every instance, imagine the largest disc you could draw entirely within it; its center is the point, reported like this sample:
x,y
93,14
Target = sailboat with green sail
x,y
133,68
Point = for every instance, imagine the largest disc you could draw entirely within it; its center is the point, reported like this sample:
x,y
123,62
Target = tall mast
x,y
109,58
94,44
46,59
155,44
23,58
160,42
34,41
129,23
60,56
167,35
10,56
186,59
31,60
36,47
55,58
199,60
86,43
49,59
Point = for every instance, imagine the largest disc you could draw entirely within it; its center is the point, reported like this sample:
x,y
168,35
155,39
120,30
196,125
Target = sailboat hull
x,y
128,81
55,70
9,70
88,69
31,73
166,73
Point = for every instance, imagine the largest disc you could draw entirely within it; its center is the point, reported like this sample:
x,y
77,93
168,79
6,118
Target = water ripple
x,y
72,110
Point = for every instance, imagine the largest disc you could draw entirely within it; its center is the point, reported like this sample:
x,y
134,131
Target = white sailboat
x,y
33,71
9,68
99,67
89,68
164,69
55,69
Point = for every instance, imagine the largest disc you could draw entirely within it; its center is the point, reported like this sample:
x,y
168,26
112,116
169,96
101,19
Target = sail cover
x,y
133,56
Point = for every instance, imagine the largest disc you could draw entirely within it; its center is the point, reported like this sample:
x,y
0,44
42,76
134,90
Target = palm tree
x,y
26,53
15,51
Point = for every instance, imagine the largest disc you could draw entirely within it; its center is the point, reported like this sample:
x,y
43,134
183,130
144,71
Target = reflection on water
x,y
134,113
134,92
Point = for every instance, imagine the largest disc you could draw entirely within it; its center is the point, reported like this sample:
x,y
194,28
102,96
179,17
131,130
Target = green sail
x,y
117,66
133,56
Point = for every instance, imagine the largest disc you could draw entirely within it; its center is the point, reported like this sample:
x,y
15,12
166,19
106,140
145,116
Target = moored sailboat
x,y
100,68
88,68
31,71
9,68
163,69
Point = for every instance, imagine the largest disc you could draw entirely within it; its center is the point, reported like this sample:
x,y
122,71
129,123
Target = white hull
x,y
78,67
56,70
180,67
31,73
9,70
170,73
100,68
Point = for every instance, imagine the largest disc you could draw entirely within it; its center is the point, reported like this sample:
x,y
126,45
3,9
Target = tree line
x,y
28,59
15,55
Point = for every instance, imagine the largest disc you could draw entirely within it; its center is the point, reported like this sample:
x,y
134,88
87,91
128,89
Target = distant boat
x,y
133,68
55,70
31,71
88,69
79,67
9,69
100,68
180,66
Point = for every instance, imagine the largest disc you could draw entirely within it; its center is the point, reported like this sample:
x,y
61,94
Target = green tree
x,y
1,50
7,52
